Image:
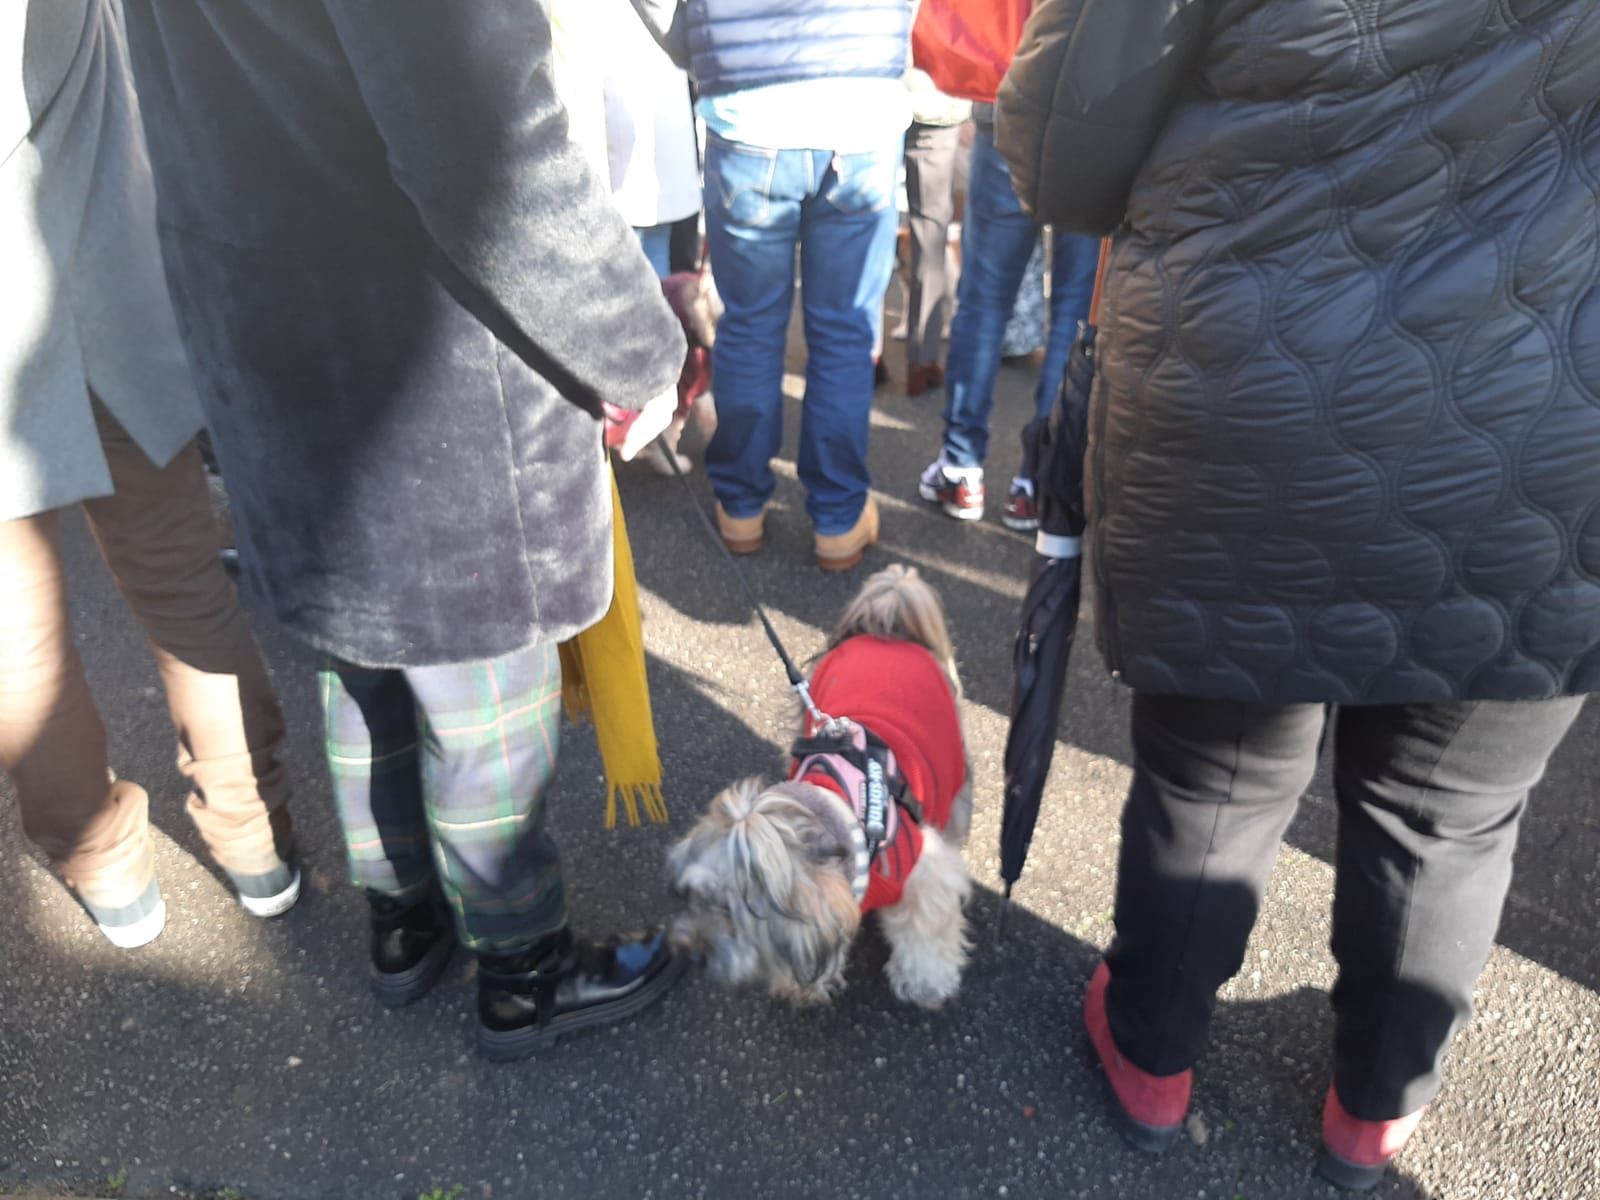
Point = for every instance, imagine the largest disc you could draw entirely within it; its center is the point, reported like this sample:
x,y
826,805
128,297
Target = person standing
x,y
997,240
650,134
413,305
806,112
98,410
1341,458
932,144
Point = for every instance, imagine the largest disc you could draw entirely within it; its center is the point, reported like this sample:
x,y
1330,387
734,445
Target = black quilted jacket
x,y
1345,438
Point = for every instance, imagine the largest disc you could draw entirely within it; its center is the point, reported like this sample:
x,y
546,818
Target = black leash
x,y
796,680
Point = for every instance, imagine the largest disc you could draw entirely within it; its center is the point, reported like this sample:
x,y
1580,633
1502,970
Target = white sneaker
x,y
139,933
276,905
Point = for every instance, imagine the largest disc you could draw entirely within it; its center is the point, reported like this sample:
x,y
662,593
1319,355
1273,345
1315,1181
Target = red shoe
x,y
1147,1109
960,495
1355,1152
924,378
1021,512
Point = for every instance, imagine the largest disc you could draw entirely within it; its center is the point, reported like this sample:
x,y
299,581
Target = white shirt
x,y
650,133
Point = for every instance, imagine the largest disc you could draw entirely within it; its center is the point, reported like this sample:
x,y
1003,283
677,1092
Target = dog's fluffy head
x,y
768,892
897,603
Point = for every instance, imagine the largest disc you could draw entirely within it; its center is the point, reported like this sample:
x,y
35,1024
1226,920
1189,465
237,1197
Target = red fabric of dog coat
x,y
897,690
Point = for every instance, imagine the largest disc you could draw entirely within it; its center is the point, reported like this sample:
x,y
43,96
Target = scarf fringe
x,y
634,797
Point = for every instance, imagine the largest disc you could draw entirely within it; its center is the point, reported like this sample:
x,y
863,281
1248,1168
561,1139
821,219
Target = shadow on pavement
x,y
258,1062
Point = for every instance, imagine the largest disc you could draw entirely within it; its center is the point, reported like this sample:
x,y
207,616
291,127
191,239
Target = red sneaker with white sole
x,y
1355,1153
1147,1109
958,491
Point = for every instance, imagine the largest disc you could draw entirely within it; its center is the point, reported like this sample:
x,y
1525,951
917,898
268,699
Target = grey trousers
x,y
931,200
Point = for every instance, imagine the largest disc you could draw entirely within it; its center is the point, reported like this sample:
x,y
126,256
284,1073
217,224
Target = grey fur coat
x,y
406,295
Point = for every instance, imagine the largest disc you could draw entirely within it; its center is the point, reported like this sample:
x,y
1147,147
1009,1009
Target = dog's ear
x,y
823,920
823,850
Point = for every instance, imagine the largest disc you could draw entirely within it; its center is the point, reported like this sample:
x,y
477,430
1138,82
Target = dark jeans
x,y
997,240
1429,796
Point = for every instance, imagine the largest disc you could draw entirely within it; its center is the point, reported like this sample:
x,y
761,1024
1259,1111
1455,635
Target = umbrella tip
x,y
1005,912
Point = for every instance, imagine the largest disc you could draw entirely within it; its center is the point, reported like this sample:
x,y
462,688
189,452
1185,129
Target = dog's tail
x,y
898,603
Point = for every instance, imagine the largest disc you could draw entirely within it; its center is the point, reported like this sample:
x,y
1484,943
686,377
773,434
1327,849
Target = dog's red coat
x,y
897,690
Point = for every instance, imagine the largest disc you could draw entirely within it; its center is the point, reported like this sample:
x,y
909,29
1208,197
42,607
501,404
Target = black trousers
x,y
1429,796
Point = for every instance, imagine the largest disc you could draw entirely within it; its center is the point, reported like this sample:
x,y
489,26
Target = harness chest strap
x,y
867,777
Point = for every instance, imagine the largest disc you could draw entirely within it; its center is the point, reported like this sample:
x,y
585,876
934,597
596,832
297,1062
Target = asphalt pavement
x,y
239,1059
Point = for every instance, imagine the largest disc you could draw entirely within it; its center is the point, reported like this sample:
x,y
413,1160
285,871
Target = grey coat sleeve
x,y
665,21
465,99
1086,97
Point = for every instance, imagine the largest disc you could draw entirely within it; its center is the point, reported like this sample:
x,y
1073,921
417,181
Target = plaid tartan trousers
x,y
440,773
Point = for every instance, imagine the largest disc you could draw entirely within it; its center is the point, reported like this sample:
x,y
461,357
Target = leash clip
x,y
820,721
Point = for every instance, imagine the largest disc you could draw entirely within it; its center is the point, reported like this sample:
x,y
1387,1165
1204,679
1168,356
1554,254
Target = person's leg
x,y
372,743
53,744
998,238
752,227
656,242
374,761
1215,784
157,535
1430,798
1073,262
685,244
1074,258
847,252
930,199
490,731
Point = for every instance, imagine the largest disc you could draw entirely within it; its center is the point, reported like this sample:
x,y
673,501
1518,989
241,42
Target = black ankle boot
x,y
564,984
411,946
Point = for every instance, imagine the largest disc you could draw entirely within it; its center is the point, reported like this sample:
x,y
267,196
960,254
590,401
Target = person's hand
x,y
631,432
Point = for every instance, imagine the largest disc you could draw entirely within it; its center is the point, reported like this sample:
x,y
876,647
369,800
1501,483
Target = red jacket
x,y
898,691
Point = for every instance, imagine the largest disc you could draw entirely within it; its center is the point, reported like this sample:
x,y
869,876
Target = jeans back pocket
x,y
742,177
863,182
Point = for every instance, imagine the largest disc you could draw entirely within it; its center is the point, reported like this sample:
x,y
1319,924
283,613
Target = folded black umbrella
x,y
1055,448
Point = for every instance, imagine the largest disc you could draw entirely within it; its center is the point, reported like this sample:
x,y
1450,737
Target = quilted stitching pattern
x,y
1345,442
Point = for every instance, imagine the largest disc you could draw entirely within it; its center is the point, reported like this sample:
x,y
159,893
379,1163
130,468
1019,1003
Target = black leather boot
x,y
564,984
411,946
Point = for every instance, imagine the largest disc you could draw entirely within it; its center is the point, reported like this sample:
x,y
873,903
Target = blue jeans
x,y
997,238
839,210
656,242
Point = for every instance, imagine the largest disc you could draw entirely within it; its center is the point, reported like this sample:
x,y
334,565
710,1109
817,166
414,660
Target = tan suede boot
x,y
742,535
842,551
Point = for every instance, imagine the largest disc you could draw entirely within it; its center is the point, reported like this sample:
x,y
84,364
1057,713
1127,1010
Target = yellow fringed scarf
x,y
603,678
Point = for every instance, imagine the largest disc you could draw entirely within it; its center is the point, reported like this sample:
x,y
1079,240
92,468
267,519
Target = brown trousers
x,y
156,534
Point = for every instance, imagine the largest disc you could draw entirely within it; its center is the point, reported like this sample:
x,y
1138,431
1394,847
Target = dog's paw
x,y
928,985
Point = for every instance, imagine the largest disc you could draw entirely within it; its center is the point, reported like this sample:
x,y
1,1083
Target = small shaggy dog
x,y
777,878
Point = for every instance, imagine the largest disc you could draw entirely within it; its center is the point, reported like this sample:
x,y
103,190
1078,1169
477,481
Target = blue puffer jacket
x,y
739,44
